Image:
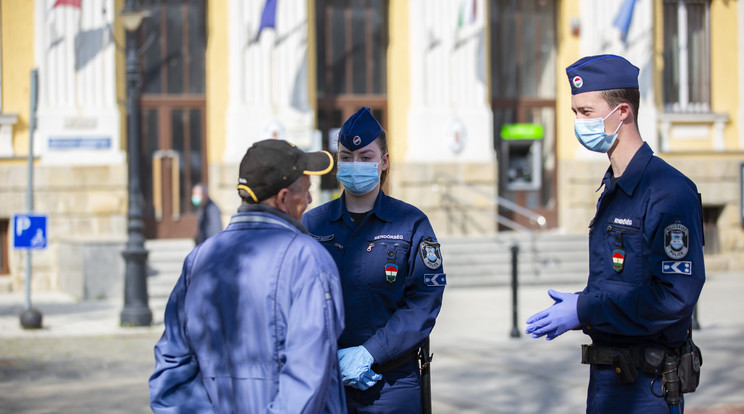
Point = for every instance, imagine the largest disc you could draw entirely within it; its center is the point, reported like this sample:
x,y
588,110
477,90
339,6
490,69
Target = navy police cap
x,y
601,73
359,130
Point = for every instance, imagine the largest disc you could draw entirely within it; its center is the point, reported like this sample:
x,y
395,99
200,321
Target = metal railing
x,y
461,212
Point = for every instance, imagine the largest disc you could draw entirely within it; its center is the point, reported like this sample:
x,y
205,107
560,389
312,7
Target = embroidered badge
x,y
430,254
676,268
391,272
357,140
618,259
676,241
436,279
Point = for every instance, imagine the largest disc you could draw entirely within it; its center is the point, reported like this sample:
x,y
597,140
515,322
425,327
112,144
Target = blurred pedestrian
x,y
646,266
252,323
209,215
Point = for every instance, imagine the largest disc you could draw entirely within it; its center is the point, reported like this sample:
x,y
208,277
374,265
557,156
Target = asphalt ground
x,y
82,361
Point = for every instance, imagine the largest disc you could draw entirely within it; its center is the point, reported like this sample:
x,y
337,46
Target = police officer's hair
x,y
615,97
382,142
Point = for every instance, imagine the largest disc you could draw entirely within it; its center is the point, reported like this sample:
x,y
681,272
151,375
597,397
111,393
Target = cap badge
x,y
578,82
357,140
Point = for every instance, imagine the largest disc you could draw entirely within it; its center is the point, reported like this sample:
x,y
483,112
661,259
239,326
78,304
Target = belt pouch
x,y
653,359
690,360
626,372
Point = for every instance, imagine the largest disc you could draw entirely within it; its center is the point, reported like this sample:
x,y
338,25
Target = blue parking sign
x,y
29,231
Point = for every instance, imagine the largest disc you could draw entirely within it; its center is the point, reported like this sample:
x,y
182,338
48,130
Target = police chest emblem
x,y
618,259
430,254
391,272
676,241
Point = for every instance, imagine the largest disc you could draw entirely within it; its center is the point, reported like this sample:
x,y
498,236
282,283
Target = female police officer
x,y
391,274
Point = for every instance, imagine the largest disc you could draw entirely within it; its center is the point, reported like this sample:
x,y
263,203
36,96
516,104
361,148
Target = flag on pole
x,y
268,17
467,13
73,3
624,16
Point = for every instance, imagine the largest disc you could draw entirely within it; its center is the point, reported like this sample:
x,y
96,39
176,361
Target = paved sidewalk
x,y
82,361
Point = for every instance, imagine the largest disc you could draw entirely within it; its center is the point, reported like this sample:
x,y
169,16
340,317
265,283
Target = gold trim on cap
x,y
250,192
327,170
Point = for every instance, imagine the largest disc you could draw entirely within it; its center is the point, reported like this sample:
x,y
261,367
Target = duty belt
x,y
625,360
395,363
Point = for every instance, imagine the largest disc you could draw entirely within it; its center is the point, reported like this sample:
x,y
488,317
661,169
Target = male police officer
x,y
646,251
252,323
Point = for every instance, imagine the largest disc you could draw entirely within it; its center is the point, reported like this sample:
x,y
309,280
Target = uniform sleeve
x,y
176,385
661,306
309,378
411,323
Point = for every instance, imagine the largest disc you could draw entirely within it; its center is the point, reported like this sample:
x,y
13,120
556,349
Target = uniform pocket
x,y
387,263
624,249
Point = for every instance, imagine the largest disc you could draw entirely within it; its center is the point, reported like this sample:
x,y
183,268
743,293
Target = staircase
x,y
164,263
546,257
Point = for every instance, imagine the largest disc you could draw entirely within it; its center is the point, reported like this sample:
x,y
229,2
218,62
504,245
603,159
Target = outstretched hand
x,y
562,316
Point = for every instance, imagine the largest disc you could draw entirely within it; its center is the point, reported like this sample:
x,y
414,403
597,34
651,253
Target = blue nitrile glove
x,y
557,319
356,367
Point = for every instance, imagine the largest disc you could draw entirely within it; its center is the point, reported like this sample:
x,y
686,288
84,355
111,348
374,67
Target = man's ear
x,y
280,198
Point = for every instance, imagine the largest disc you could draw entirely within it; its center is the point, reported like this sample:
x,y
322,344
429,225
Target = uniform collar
x,y
381,209
633,172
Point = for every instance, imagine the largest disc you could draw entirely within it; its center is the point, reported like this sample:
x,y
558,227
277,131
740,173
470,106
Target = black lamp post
x,y
136,311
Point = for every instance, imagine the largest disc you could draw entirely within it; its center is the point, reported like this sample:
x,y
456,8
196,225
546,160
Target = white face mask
x,y
591,133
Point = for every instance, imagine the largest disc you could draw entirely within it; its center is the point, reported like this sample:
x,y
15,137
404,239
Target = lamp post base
x,y
136,315
31,319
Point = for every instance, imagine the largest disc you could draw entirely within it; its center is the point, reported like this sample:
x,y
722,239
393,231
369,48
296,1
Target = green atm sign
x,y
522,131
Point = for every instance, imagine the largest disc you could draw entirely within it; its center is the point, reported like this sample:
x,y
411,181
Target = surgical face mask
x,y
196,200
358,178
591,133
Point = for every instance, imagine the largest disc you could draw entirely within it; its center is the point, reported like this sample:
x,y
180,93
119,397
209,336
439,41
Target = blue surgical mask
x,y
358,178
591,133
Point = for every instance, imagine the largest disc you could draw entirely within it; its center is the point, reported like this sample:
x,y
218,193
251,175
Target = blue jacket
x,y
252,323
391,273
646,266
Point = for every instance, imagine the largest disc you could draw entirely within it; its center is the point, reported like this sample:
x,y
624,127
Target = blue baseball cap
x,y
359,130
601,73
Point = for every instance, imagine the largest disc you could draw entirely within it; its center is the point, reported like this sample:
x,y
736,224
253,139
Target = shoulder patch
x,y
436,279
676,241
430,254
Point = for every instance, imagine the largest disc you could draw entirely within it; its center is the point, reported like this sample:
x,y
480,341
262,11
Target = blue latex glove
x,y
557,319
356,367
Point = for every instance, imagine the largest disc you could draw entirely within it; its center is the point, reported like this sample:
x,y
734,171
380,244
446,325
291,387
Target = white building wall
x,y
268,78
449,118
78,117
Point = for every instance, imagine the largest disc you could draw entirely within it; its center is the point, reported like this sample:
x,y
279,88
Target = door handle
x,y
157,183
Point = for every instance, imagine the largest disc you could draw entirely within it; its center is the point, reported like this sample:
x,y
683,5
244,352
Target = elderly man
x,y
252,323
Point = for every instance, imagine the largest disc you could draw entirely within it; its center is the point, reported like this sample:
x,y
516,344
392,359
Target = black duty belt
x,y
647,359
395,363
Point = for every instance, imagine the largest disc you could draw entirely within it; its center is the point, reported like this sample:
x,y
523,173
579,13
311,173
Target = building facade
x,y
472,93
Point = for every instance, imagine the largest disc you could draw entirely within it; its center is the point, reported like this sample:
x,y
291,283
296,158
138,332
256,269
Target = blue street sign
x,y
29,231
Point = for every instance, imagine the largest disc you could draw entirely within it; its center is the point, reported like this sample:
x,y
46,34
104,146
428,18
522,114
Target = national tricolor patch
x,y
618,259
391,272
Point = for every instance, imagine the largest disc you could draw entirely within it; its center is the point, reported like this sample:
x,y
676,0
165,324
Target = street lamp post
x,y
136,311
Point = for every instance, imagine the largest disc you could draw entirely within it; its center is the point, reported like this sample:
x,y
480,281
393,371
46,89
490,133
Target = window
x,y
687,55
4,242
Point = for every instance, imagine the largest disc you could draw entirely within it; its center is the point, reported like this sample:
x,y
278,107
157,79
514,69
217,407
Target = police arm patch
x,y
436,279
676,268
676,241
430,254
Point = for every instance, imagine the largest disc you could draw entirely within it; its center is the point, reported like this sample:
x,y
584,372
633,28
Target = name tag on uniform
x,y
676,268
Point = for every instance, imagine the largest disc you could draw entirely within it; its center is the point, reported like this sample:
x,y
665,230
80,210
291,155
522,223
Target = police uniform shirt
x,y
646,256
391,273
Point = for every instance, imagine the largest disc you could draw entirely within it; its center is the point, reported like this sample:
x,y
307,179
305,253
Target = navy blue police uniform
x,y
392,280
646,263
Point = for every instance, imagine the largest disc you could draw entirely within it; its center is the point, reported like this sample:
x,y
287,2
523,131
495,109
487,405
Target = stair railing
x,y
459,211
